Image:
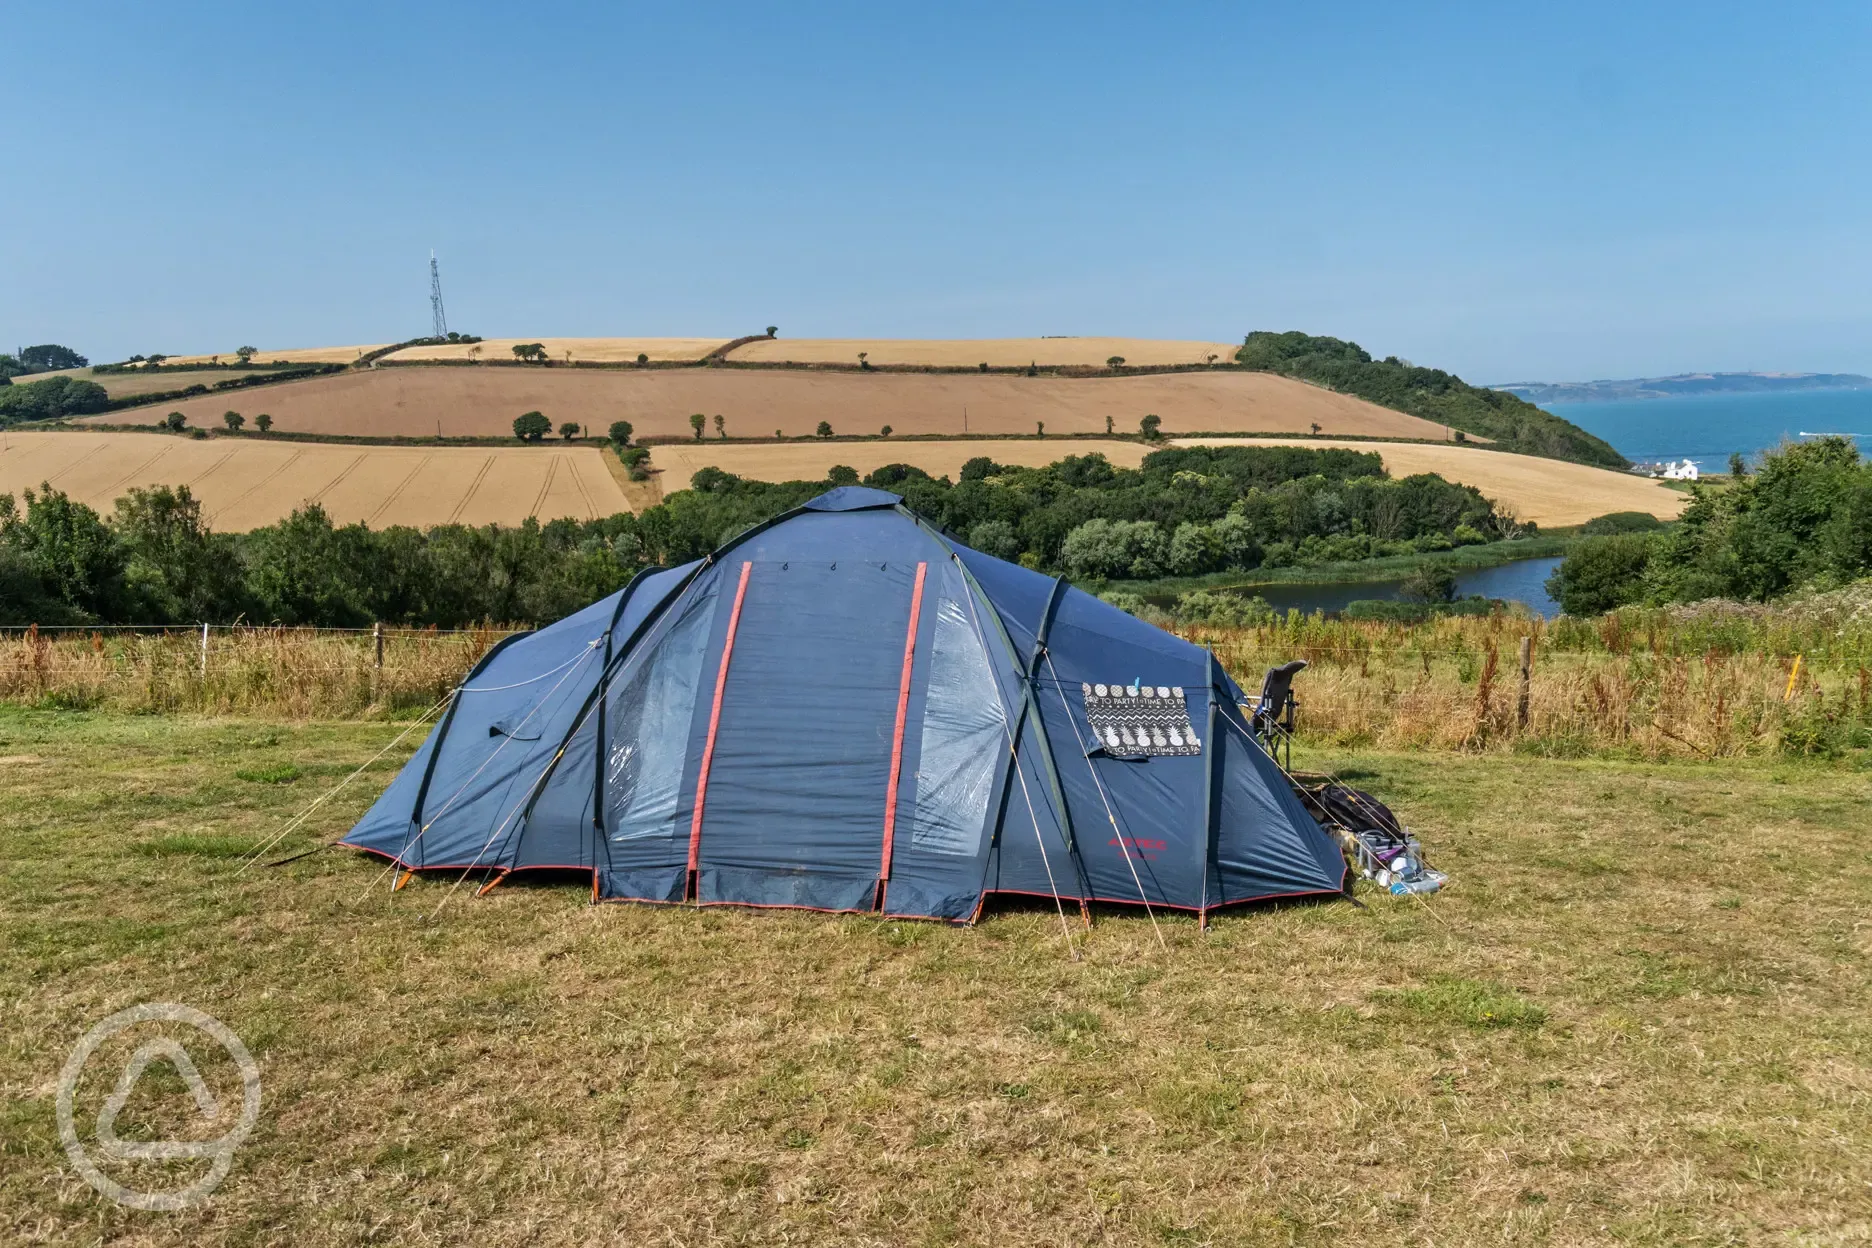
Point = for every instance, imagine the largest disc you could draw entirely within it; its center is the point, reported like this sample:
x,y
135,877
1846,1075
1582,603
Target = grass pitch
x,y
1637,1017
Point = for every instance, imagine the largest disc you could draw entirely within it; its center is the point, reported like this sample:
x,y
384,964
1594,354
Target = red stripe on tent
x,y
903,707
714,723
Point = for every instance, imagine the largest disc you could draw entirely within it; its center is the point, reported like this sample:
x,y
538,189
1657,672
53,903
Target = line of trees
x,y
154,560
1429,393
1802,520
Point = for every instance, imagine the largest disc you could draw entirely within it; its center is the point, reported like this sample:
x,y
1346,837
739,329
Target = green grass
x,y
1636,1017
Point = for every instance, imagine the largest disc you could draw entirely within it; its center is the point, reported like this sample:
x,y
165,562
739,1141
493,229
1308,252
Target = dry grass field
x,y
1546,491
589,350
1636,1018
809,461
457,402
296,355
994,352
248,481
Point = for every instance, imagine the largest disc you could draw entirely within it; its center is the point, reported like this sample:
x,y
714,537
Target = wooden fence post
x,y
204,651
376,679
1527,675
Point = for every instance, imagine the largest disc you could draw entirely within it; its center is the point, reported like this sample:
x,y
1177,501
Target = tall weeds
x,y
297,673
1713,680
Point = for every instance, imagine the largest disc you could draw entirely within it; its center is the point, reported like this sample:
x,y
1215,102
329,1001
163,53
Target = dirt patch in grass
x,y
1671,1050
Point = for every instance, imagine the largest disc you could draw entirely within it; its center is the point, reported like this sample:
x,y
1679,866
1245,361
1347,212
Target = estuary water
x,y
1707,428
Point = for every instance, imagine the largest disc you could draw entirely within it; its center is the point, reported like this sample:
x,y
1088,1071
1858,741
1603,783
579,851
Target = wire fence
x,y
1476,684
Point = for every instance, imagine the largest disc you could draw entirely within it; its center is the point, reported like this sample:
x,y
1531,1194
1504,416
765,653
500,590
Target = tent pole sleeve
x,y
714,725
897,734
1212,835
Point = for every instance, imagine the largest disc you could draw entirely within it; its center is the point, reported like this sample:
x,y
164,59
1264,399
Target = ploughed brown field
x,y
994,352
481,402
122,385
1546,491
246,482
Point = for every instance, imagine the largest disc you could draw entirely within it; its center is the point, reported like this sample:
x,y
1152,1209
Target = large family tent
x,y
844,710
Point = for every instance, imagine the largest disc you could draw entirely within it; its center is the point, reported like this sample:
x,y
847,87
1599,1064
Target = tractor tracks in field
x,y
467,497
257,486
390,498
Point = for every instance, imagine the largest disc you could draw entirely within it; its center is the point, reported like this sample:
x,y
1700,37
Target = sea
x,y
1706,429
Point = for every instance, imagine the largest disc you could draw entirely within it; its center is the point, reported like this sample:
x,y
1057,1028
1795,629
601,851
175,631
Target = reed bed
x,y
295,673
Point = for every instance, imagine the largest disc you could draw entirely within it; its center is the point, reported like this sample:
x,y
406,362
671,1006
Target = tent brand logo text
x,y
1140,846
218,1152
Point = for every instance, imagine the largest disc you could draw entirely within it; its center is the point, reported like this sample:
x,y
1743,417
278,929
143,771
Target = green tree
x,y
233,420
696,422
175,422
176,569
1108,425
1738,466
824,429
885,431
69,551
721,430
531,426
1601,573
246,354
979,469
997,538
569,430
1114,362
1039,428
643,357
263,422
864,360
1149,426
1431,584
50,358
621,431
842,474
773,331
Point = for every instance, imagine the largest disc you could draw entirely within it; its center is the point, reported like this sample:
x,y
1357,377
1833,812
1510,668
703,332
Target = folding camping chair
x,y
1273,711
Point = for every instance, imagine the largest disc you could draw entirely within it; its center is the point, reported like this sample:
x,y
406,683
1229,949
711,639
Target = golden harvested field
x,y
995,352
1546,491
482,402
247,482
804,461
590,350
296,355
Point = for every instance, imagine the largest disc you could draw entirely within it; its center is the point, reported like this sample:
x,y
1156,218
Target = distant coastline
x,y
1683,385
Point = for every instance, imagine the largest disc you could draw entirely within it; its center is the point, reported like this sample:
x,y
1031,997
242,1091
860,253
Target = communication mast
x,y
438,318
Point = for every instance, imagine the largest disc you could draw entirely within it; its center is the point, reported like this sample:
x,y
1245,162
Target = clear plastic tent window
x,y
648,722
962,738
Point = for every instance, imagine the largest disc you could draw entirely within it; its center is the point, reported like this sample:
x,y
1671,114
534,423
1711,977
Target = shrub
x,y
1621,522
1434,583
1601,573
1116,548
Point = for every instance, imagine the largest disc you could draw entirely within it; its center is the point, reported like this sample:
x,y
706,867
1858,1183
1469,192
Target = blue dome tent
x,y
844,710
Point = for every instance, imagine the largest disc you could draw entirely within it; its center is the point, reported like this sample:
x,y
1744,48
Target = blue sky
x,y
1512,191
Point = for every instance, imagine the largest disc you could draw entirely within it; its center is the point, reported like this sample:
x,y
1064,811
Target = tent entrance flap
x,y
799,775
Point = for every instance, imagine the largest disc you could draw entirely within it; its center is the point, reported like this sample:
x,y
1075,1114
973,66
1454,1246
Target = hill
x,y
973,352
466,401
1681,384
1429,393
